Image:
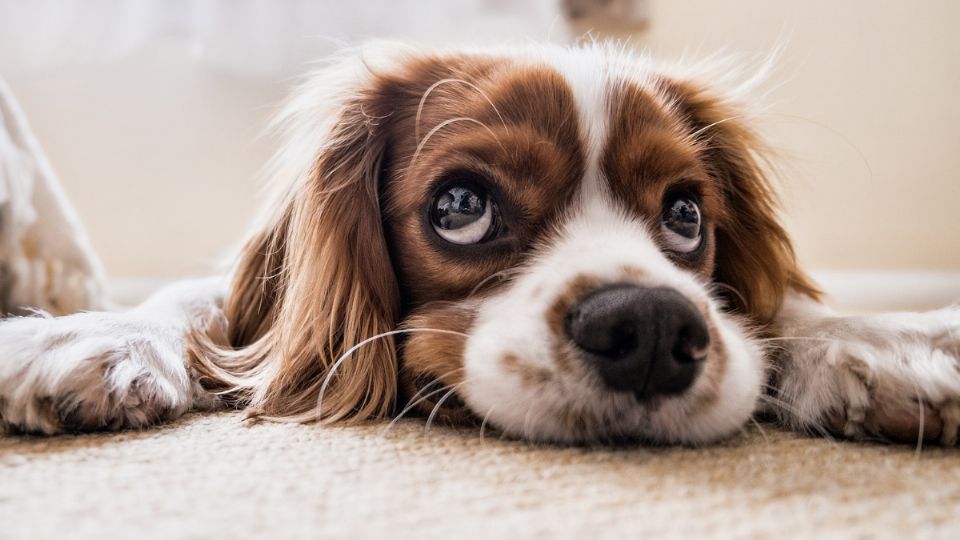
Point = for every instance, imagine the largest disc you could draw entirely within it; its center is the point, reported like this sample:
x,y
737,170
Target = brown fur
x,y
531,152
319,279
649,155
433,361
754,256
308,289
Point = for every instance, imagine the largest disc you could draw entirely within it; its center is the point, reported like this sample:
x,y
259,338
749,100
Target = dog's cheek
x,y
432,369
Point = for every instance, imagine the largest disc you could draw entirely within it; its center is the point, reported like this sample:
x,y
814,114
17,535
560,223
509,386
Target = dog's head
x,y
572,243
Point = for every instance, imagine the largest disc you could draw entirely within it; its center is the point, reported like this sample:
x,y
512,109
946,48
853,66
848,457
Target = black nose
x,y
649,341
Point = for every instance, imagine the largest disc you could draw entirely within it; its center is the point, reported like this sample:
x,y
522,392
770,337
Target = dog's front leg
x,y
99,370
889,376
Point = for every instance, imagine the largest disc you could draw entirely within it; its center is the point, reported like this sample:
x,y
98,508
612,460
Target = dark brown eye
x,y
681,224
462,214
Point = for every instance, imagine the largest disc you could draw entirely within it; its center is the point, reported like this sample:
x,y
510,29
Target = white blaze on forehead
x,y
588,78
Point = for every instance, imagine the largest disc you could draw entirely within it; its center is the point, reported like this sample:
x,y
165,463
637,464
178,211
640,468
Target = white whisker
x,y
410,406
415,400
743,299
763,433
507,272
434,86
436,408
696,134
446,123
483,425
336,365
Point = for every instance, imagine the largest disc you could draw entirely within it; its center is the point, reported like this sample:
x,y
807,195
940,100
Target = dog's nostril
x,y
648,341
691,343
609,337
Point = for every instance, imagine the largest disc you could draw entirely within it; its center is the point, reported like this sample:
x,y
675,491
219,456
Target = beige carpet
x,y
213,476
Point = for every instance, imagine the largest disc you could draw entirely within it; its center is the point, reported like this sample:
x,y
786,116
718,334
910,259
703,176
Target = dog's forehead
x,y
589,83
590,99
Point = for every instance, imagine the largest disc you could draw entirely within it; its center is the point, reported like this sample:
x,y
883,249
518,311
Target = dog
x,y
570,245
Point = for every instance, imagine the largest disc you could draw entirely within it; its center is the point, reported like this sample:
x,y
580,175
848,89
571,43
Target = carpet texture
x,y
215,476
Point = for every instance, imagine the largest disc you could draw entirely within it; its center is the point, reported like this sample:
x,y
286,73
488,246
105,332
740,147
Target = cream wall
x,y
865,114
160,154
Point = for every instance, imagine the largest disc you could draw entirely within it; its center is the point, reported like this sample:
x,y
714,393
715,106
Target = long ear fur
x,y
315,279
754,256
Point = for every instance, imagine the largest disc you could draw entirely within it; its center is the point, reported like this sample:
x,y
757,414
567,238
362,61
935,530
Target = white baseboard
x,y
858,291
130,290
883,290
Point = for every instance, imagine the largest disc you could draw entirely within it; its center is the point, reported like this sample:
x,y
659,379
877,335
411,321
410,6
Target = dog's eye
x,y
462,214
681,224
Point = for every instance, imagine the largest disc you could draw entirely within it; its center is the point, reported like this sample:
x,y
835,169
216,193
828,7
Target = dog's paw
x,y
893,376
90,371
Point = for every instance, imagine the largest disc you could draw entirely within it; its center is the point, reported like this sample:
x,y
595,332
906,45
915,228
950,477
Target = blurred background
x,y
151,111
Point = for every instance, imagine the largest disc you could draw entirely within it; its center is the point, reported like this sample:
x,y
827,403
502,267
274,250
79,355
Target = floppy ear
x,y
316,279
754,256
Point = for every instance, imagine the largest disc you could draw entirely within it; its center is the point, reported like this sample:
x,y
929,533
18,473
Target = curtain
x,y
254,37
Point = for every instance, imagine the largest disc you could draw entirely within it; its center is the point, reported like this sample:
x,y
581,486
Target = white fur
x,y
857,366
105,370
589,80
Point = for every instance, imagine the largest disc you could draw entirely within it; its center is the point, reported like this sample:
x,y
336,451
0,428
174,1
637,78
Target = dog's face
x,y
573,242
